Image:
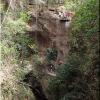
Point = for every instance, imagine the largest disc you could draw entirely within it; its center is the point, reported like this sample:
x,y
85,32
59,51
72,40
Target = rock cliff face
x,y
49,30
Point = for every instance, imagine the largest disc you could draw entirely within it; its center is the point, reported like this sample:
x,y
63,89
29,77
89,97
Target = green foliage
x,y
73,64
73,4
51,54
24,16
16,92
87,17
84,33
15,45
72,81
9,31
66,75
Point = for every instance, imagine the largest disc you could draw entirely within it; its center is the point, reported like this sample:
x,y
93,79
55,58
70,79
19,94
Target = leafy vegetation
x,y
69,83
76,79
85,31
16,46
51,54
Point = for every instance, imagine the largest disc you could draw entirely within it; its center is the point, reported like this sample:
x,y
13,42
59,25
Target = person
x,y
51,67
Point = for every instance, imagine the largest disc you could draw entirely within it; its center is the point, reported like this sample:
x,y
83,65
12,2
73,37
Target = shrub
x,y
51,54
